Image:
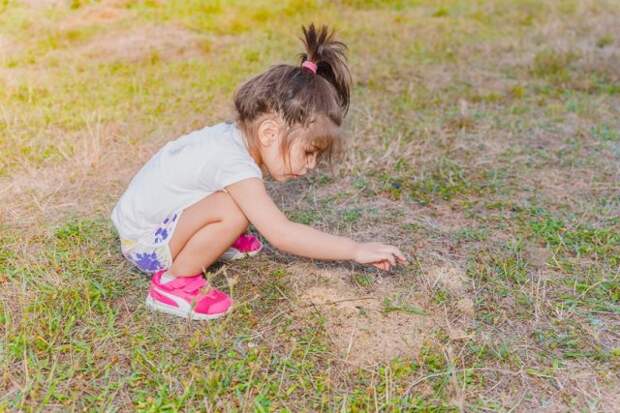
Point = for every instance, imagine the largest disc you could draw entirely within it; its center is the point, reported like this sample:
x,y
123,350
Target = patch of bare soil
x,y
584,39
452,278
363,326
103,13
449,276
5,46
14,77
360,330
36,4
140,43
587,386
84,10
563,185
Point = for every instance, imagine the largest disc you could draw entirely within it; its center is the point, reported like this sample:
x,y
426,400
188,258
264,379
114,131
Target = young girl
x,y
193,201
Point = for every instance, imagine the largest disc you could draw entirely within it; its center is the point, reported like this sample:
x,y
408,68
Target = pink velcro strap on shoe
x,y
187,284
195,285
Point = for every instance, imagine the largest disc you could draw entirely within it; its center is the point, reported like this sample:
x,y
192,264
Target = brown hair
x,y
316,102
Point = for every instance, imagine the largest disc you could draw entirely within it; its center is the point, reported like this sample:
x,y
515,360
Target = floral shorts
x,y
151,252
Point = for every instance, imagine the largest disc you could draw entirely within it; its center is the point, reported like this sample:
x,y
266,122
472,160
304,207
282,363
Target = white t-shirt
x,y
181,173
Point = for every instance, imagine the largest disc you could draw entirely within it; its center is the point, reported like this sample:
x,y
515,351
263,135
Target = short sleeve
x,y
225,160
234,170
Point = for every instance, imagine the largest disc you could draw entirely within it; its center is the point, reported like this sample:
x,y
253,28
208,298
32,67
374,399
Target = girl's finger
x,y
398,254
383,265
380,265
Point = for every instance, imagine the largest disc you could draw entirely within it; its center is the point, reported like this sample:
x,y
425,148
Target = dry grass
x,y
484,142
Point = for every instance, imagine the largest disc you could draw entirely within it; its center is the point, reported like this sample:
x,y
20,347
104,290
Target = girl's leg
x,y
204,231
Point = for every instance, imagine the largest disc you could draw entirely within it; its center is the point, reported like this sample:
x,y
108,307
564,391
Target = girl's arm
x,y
251,196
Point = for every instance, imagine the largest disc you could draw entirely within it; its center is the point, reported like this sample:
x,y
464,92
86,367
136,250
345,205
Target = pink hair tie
x,y
310,65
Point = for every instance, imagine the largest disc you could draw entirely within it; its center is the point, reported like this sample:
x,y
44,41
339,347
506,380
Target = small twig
x,y
284,296
346,357
340,301
430,376
518,402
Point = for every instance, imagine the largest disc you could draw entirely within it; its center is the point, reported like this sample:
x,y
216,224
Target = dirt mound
x,y
140,43
450,277
364,328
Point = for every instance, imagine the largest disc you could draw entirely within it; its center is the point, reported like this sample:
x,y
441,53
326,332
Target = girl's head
x,y
291,115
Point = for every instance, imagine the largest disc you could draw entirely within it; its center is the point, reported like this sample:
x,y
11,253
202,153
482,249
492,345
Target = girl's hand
x,y
380,255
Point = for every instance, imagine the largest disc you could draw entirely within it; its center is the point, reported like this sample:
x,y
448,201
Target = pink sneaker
x,y
183,297
246,245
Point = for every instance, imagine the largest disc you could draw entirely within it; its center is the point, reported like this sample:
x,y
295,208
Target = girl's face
x,y
302,158
302,155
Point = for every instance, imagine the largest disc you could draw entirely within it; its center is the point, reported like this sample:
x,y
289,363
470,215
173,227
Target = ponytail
x,y
330,59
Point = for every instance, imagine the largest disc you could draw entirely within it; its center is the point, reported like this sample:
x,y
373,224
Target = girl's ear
x,y
268,132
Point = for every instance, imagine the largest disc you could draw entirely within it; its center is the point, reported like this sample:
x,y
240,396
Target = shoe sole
x,y
157,306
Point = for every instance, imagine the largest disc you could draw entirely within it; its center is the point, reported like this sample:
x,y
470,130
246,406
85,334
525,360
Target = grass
x,y
483,142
